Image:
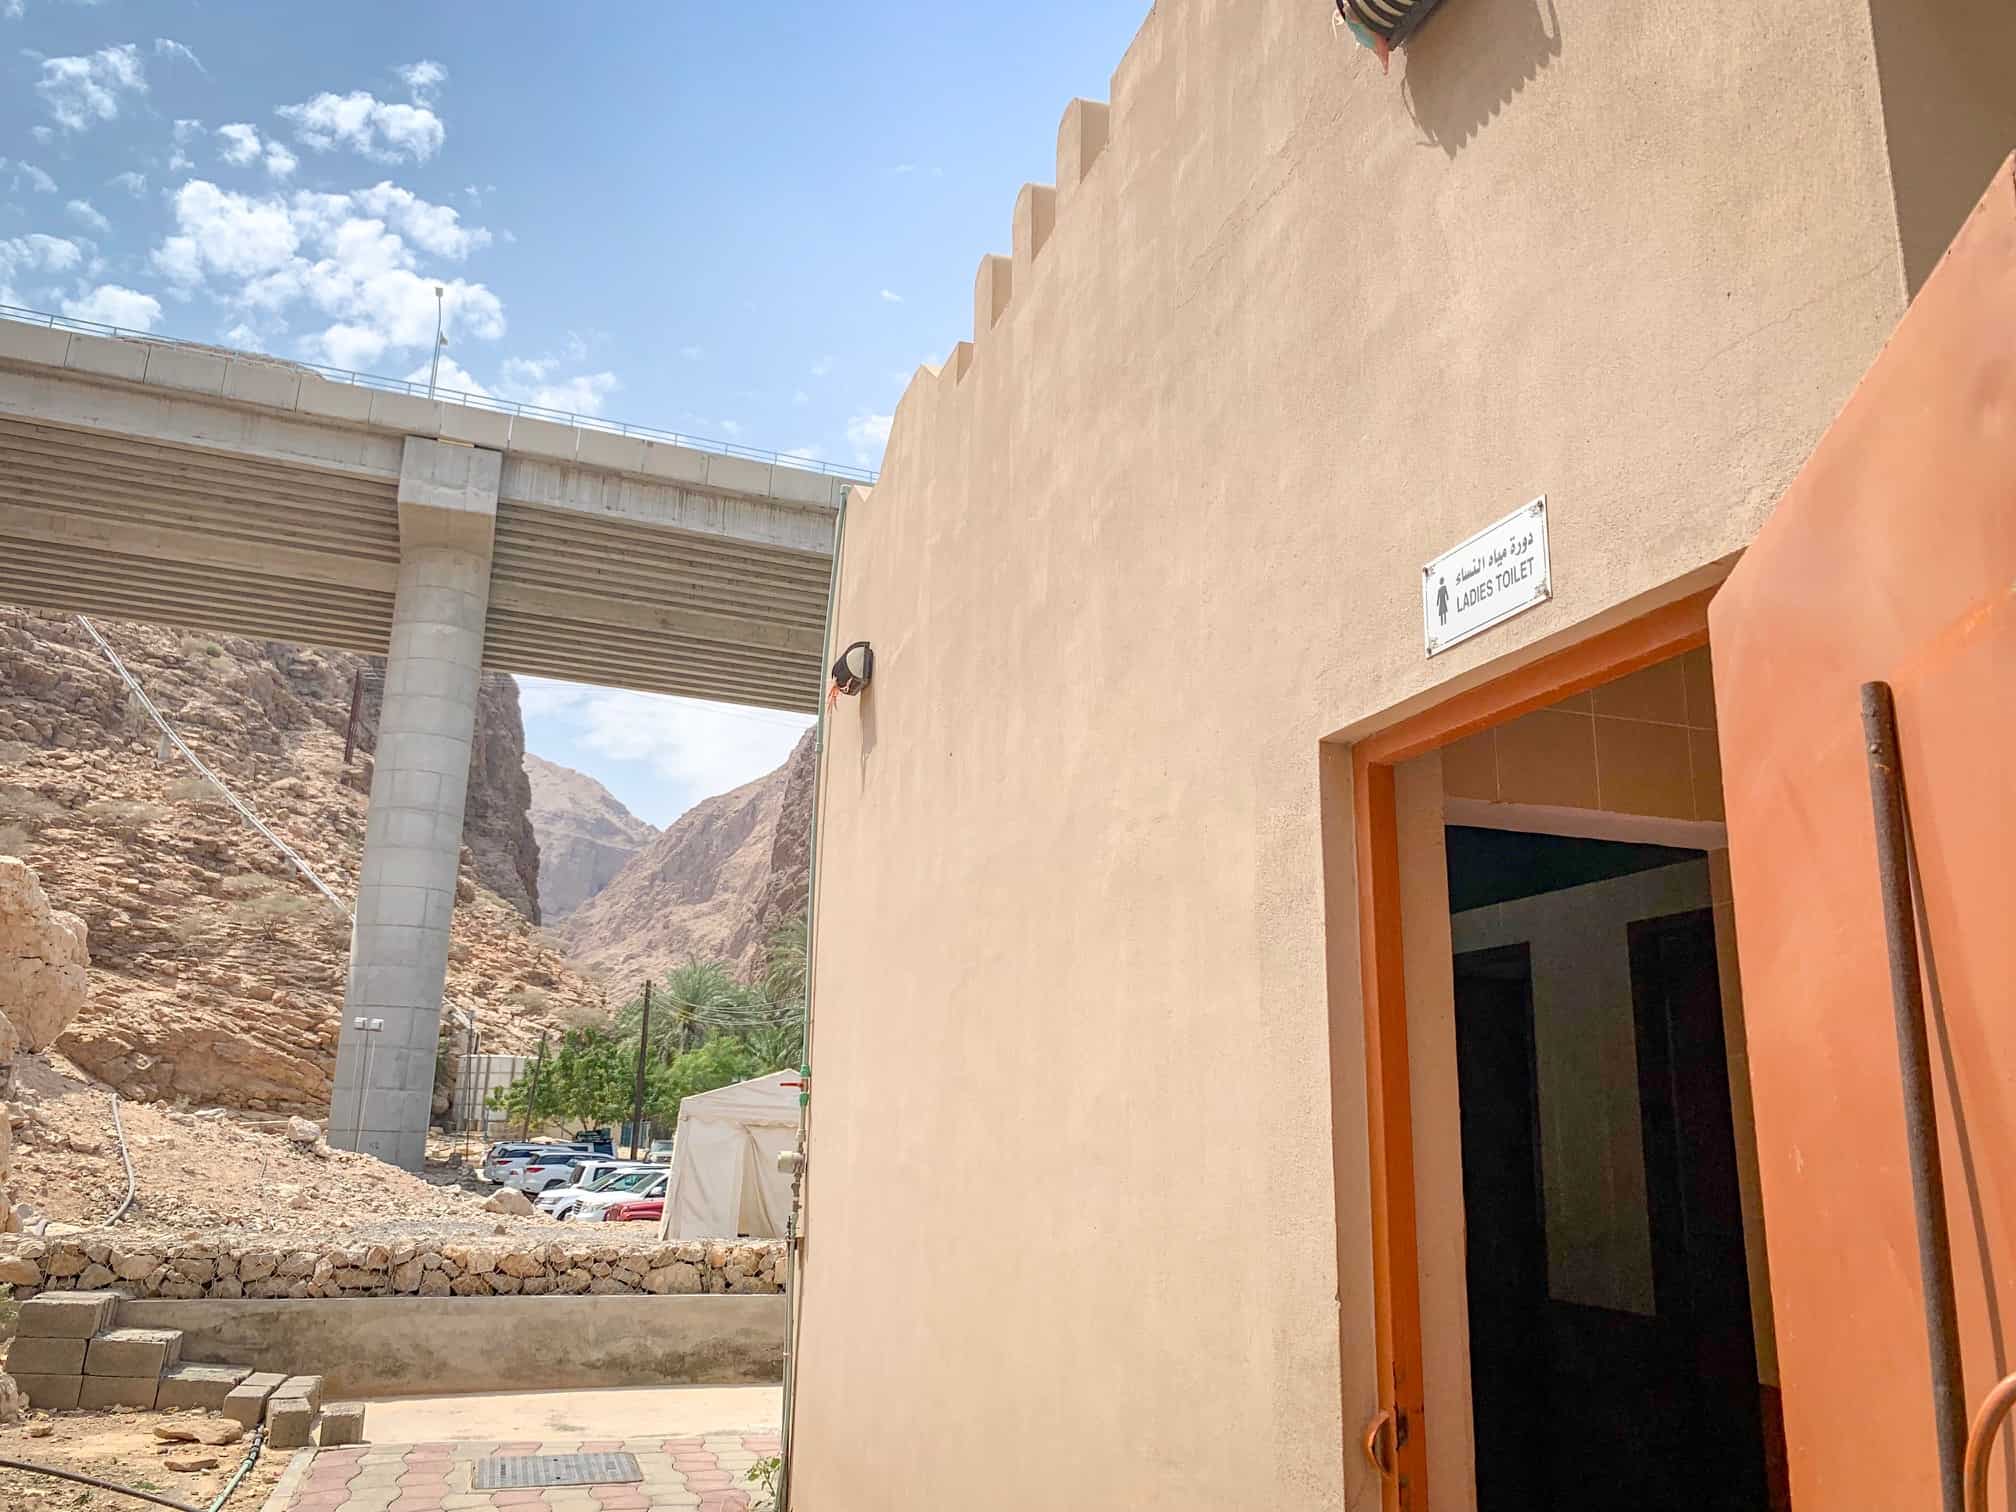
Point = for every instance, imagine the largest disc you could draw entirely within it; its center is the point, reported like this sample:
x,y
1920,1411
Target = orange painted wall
x,y
1892,556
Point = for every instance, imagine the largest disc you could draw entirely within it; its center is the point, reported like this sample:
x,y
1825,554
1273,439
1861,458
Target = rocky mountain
x,y
585,836
217,972
713,886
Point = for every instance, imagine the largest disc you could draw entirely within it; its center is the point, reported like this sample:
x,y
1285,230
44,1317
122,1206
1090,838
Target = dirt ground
x,y
121,1446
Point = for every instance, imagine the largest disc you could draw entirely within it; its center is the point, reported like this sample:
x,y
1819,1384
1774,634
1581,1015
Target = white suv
x,y
623,1186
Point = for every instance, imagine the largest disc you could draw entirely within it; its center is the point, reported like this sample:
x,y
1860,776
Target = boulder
x,y
43,959
303,1131
510,1200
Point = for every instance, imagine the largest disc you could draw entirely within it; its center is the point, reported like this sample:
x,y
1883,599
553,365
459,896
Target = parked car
x,y
566,1202
594,1206
501,1161
639,1210
660,1151
583,1173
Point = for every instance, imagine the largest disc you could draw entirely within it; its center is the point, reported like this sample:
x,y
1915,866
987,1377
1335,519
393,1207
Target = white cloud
x,y
906,167
133,183
729,428
35,253
453,378
694,749
822,367
801,397
168,47
81,91
113,305
241,143
692,353
432,228
88,213
532,380
378,129
34,177
342,255
805,453
186,129
11,9
422,79
868,434
890,296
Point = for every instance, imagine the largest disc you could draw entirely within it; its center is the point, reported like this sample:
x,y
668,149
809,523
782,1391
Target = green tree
x,y
587,1080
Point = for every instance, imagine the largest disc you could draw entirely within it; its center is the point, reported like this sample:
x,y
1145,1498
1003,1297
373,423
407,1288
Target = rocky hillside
x,y
712,886
585,836
217,973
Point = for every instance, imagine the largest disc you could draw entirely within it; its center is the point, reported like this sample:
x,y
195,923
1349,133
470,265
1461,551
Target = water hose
x,y
251,1459
102,1485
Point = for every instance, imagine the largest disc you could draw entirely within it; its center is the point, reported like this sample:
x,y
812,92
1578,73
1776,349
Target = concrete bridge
x,y
189,486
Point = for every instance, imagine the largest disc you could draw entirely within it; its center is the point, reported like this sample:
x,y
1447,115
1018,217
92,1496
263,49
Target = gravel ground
x,y
207,1175
119,1445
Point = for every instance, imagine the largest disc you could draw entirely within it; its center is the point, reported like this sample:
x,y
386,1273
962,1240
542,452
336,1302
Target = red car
x,y
644,1210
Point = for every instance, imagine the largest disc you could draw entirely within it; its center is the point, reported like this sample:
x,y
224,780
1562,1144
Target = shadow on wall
x,y
1469,62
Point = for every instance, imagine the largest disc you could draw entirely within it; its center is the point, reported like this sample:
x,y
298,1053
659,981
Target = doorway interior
x,y
1612,1357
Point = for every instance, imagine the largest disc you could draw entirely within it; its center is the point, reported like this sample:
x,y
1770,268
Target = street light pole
x,y
440,336
637,1107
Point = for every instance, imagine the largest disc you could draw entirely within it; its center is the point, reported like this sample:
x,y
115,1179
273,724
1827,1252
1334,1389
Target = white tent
x,y
725,1182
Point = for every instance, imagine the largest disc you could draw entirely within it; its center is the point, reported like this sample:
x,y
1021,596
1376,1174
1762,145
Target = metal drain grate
x,y
528,1472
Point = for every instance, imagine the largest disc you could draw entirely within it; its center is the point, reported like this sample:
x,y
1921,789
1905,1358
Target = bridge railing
x,y
452,396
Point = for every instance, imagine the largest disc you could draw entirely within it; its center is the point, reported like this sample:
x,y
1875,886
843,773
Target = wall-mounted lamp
x,y
1383,25
854,670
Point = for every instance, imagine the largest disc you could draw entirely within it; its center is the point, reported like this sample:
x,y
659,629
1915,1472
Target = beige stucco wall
x,y
1131,558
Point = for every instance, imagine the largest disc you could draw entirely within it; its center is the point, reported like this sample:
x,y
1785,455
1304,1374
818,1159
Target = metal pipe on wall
x,y
1921,1114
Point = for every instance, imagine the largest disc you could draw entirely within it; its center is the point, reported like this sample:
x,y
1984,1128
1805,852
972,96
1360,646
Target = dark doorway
x,y
1651,1406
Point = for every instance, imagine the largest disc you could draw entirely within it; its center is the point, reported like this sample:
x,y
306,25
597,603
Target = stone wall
x,y
395,1267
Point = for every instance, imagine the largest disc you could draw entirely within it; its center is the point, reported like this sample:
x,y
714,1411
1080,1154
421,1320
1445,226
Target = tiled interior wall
x,y
1644,744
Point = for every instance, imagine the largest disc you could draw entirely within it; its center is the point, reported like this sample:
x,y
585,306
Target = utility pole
x,y
643,1044
356,708
440,336
525,1131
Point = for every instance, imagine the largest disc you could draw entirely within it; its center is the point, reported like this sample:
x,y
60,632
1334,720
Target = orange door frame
x,y
1396,1441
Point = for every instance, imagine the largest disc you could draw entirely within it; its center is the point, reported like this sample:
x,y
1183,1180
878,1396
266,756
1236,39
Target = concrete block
x,y
544,438
47,1357
246,1402
118,1391
204,1386
181,368
67,1315
52,1393
134,1352
342,1423
107,356
290,1422
803,486
739,475
307,1388
413,414
1081,137
682,464
21,342
266,383
993,286
475,425
606,449
329,400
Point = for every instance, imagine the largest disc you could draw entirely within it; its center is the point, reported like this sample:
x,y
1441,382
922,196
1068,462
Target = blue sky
x,y
749,222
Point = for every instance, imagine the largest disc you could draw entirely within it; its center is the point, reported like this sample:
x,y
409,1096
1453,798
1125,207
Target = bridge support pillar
x,y
419,784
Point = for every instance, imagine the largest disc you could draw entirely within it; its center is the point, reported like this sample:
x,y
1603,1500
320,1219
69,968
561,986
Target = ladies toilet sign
x,y
1489,578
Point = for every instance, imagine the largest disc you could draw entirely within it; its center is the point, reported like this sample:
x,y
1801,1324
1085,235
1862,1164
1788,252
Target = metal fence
x,y
453,396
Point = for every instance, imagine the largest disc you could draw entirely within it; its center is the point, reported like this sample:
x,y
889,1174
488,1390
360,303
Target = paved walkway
x,y
701,1473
